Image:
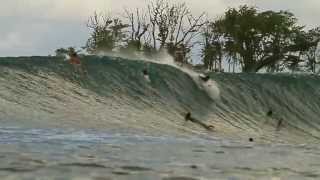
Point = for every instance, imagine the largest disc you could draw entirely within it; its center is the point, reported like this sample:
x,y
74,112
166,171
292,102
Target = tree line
x,y
268,40
242,38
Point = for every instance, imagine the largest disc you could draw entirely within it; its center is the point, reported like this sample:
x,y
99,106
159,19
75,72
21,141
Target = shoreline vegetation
x,y
244,38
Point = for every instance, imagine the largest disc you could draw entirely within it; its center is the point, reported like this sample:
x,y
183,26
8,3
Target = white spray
x,y
210,86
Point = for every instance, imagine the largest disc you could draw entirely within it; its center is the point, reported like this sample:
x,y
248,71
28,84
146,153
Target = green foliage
x,y
263,40
131,47
311,54
149,51
212,51
62,52
107,33
164,25
246,37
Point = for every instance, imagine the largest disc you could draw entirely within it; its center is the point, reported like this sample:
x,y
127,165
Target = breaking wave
x,y
115,95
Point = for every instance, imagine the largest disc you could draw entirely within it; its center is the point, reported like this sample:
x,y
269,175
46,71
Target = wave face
x,y
114,95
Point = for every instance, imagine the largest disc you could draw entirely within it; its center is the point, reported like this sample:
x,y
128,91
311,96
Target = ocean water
x,y
74,154
112,123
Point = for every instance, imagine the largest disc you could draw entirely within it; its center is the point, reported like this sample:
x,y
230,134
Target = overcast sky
x,y
38,27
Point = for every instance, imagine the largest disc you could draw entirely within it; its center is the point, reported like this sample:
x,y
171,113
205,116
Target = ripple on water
x,y
315,164
135,168
102,178
310,175
179,178
236,147
19,169
193,166
121,173
22,164
86,165
199,150
219,152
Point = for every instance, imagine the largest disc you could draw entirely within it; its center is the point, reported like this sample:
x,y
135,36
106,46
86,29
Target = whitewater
x,y
113,123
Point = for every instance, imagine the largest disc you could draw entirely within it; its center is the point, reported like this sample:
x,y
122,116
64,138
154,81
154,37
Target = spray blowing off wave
x,y
210,86
45,91
164,58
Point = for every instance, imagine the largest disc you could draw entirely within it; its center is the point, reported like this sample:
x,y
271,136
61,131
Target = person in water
x,y
188,117
280,121
75,61
146,75
145,72
204,78
74,58
269,113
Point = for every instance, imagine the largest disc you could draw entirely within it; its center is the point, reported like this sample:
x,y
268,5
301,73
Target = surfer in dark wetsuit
x,y
188,117
269,113
280,120
145,72
204,78
146,75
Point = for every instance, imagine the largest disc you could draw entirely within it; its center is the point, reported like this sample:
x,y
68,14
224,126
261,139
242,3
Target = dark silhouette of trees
x,y
212,51
243,37
138,27
311,53
173,27
163,26
259,40
62,52
107,33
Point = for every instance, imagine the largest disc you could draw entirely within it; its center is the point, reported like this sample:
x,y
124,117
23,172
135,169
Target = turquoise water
x,y
112,123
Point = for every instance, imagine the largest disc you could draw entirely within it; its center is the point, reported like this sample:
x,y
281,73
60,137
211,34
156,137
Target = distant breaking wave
x,y
46,92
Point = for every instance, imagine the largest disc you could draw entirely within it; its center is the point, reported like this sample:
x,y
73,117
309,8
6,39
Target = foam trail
x,y
211,87
147,78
